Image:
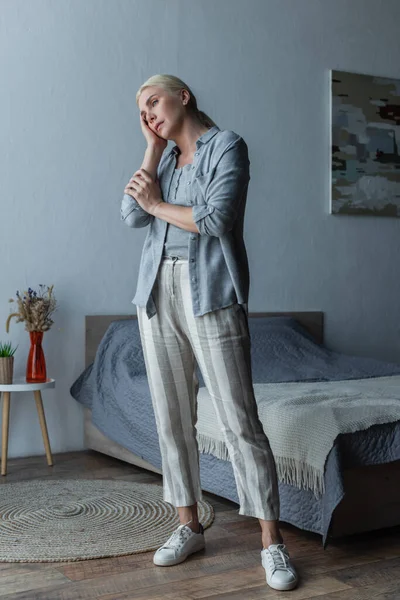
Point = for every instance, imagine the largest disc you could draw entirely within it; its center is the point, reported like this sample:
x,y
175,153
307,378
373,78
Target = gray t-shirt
x,y
177,239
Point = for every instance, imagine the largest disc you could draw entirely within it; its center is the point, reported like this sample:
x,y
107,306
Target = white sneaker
x,y
177,548
280,572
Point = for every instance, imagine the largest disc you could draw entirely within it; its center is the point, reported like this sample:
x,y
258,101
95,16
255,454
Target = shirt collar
x,y
203,139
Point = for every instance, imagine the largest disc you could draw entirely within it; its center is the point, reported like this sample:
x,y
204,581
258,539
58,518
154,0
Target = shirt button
x,y
192,168
196,153
192,237
193,278
192,260
188,182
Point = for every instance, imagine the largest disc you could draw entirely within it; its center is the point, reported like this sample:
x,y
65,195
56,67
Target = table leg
x,y
42,419
5,428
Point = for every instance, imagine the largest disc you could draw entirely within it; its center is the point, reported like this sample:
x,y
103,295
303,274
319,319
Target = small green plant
x,y
6,349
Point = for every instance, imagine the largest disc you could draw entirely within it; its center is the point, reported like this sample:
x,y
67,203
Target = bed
x,y
361,470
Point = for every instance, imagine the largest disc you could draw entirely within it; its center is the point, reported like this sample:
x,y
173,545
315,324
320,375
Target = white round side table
x,y
21,385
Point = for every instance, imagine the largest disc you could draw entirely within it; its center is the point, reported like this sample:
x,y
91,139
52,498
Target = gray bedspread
x,y
116,390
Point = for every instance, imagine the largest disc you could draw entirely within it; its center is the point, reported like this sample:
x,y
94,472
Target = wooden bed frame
x,y
372,499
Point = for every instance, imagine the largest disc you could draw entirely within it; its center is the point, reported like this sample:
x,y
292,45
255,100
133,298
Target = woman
x,y
191,302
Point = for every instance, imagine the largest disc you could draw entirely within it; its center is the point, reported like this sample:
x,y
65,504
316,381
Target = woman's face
x,y
158,106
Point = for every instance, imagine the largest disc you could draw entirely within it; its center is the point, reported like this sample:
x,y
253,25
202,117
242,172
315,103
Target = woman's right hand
x,y
153,140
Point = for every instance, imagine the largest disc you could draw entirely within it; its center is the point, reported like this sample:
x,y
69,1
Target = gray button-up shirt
x,y
218,264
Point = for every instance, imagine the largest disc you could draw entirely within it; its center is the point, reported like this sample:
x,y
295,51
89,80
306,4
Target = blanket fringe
x,y
208,445
290,471
300,475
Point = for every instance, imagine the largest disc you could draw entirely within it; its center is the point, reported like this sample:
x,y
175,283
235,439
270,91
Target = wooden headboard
x,y
97,325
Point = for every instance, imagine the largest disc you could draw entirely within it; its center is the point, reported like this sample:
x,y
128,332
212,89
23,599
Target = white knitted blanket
x,y
303,419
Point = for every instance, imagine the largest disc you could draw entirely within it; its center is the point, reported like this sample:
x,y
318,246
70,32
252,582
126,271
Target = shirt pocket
x,y
200,185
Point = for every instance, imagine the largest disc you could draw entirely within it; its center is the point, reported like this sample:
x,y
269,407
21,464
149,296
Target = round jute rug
x,y
78,519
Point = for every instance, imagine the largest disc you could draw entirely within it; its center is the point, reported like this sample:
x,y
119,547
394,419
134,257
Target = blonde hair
x,y
173,84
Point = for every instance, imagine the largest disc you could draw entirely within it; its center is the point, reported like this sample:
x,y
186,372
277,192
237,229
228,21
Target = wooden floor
x,y
362,567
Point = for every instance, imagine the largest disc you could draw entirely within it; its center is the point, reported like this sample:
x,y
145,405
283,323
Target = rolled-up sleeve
x,y
133,214
225,192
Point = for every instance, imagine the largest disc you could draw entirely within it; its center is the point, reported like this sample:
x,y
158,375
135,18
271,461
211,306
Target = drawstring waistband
x,y
167,260
172,260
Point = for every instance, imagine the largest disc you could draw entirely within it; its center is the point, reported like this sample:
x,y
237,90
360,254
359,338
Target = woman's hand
x,y
144,190
153,140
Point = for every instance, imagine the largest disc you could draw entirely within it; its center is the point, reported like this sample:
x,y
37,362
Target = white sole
x,y
283,587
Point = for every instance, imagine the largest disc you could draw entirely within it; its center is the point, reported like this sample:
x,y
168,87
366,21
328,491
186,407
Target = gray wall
x,y
70,140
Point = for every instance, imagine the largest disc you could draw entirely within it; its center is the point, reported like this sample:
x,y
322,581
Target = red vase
x,y
36,365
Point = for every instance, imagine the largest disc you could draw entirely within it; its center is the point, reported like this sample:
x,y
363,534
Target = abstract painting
x,y
365,145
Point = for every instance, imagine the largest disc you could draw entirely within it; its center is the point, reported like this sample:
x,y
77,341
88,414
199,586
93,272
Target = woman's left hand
x,y
144,190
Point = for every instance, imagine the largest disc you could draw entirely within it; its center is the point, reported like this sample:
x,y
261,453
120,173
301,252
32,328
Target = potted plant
x,y
35,309
6,362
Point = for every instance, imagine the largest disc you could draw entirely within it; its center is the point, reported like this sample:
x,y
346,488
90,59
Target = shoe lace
x,y
279,557
178,537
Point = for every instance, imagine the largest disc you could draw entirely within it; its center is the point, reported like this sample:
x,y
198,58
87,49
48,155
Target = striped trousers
x,y
173,340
